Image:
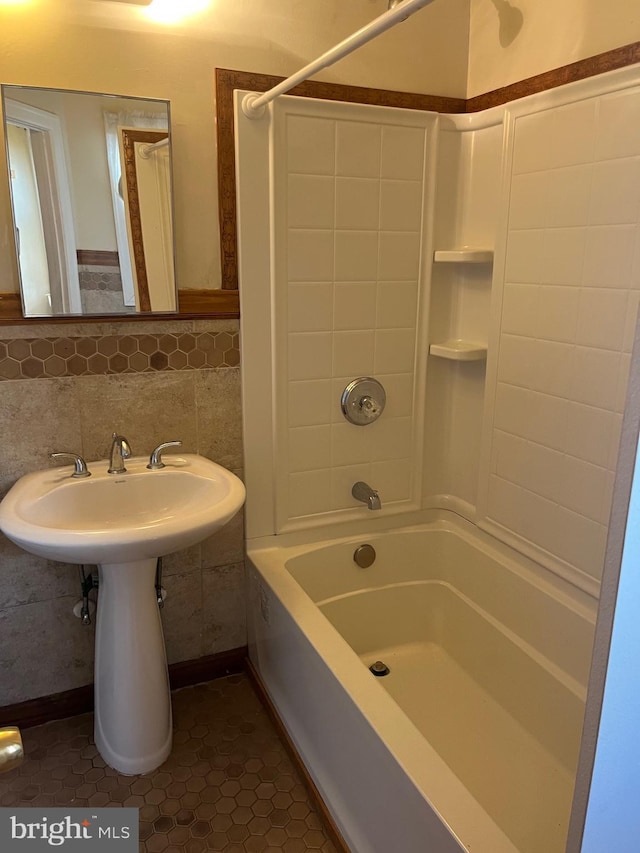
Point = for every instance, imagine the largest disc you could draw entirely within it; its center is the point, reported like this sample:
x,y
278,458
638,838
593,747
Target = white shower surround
x,y
478,457
567,287
465,393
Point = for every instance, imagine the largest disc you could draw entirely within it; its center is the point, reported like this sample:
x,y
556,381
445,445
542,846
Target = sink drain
x,y
379,669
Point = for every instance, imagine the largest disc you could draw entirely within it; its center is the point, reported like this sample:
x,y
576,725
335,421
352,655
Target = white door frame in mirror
x,y
114,123
56,183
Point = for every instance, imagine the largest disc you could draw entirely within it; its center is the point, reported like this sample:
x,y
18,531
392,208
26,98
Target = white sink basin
x,y
112,518
123,523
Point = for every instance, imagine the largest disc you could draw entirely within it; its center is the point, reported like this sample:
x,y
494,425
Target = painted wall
x,y
114,48
102,47
510,40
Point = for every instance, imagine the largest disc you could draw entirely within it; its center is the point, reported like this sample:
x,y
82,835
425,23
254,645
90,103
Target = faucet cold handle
x,y
80,470
155,461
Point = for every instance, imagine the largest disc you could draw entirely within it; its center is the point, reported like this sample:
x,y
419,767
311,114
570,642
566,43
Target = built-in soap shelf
x,y
459,350
463,255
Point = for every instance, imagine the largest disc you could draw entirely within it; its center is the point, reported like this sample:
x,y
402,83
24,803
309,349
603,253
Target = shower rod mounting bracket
x,y
250,109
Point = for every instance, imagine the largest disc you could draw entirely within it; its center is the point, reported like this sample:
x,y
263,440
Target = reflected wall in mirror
x,y
90,179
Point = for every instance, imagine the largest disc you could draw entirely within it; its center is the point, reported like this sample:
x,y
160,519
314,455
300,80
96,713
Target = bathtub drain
x,y
379,668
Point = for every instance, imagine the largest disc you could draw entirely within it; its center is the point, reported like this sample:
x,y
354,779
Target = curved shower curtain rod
x,y
253,105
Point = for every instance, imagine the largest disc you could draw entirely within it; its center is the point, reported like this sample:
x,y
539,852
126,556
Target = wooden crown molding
x,y
228,80
619,57
225,302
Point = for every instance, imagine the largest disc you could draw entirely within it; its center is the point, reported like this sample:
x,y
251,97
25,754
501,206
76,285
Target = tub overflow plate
x,y
364,556
363,401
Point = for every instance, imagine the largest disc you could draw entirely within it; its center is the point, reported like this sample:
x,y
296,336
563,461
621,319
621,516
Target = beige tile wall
x,y
44,649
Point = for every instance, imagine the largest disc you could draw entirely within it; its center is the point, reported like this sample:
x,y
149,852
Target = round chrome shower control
x,y
363,401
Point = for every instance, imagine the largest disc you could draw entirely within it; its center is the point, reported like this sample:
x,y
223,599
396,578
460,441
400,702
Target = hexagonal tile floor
x,y
228,784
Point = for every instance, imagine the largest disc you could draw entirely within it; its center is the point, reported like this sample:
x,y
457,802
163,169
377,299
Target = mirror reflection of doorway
x,y
146,193
42,211
34,269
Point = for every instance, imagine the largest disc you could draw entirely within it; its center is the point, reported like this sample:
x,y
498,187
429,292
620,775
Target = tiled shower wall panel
x,y
572,284
352,187
69,388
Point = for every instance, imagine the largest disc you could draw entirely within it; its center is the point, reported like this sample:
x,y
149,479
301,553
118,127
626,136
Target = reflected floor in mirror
x,y
228,785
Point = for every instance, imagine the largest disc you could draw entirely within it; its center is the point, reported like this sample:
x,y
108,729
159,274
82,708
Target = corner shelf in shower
x,y
463,255
458,350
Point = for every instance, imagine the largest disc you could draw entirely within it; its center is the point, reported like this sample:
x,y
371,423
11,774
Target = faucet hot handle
x,y
155,460
80,464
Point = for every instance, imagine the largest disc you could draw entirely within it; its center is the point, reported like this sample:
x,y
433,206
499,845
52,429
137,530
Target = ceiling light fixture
x,y
166,11
174,11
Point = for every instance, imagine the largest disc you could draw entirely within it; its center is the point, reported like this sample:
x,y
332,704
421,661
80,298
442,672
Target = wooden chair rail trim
x,y
193,305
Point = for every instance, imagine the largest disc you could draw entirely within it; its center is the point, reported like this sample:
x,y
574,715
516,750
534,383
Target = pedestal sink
x,y
123,523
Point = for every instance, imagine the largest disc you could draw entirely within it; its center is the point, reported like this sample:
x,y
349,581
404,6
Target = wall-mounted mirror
x,y
90,178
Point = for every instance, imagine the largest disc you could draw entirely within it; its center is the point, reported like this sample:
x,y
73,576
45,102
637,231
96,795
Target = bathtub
x,y
471,741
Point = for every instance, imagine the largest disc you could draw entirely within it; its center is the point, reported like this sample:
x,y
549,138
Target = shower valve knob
x,y
363,401
369,406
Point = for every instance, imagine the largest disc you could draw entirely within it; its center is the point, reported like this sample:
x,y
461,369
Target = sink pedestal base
x,y
133,724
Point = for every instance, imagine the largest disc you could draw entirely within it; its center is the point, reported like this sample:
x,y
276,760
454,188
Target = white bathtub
x,y
471,741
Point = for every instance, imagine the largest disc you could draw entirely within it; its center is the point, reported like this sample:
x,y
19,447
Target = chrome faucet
x,y
120,450
362,492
